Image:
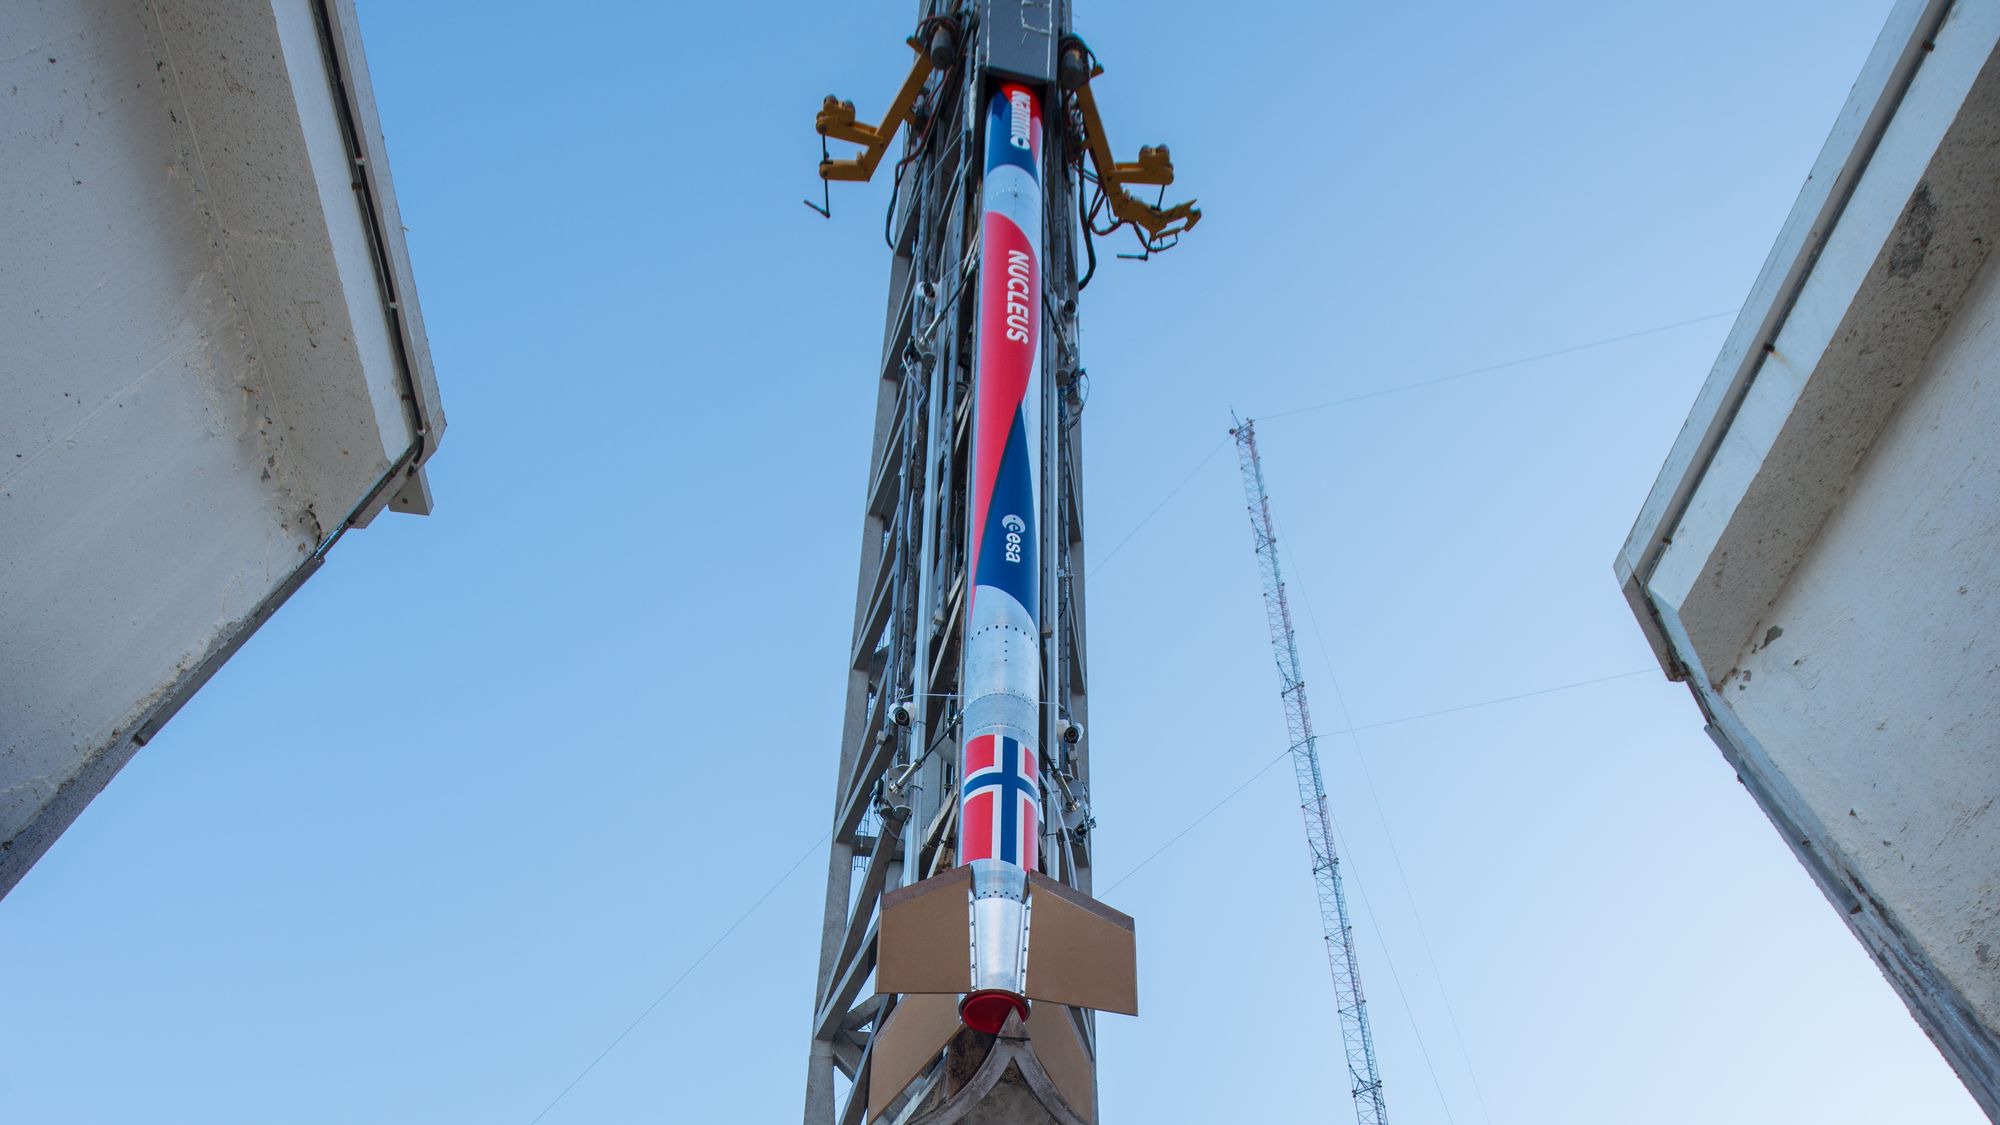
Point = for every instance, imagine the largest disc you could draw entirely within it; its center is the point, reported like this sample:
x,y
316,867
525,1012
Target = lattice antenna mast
x,y
1337,929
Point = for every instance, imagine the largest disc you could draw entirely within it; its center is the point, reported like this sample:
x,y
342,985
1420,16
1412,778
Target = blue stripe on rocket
x,y
1010,526
1000,147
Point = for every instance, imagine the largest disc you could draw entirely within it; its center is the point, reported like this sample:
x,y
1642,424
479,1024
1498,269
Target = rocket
x,y
995,948
995,938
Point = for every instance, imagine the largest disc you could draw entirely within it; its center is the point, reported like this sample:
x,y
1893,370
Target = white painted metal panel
x,y
211,366
1819,557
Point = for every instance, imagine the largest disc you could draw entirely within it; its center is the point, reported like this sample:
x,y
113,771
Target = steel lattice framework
x,y
1337,928
895,800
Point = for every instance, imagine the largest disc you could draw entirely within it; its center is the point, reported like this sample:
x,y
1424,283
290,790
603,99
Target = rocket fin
x,y
1080,951
915,1032
924,942
1059,1047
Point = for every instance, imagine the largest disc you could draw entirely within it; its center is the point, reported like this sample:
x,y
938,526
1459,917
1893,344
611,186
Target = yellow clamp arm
x,y
1155,167
836,122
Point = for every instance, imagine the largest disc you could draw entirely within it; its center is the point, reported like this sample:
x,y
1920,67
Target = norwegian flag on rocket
x,y
1002,809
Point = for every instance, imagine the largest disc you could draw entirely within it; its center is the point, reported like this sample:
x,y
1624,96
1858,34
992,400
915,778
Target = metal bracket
x,y
936,45
1154,168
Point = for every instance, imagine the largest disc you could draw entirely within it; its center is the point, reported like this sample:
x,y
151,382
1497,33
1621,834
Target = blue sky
x,y
495,778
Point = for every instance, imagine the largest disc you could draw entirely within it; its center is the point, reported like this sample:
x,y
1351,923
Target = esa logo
x,y
1014,525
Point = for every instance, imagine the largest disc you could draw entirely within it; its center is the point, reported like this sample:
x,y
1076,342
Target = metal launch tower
x,y
962,798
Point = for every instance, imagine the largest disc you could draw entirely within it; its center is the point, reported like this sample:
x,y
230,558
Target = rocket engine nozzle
x,y
988,1011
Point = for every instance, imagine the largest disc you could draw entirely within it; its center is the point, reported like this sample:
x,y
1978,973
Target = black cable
x,y
1164,500
1401,387
1089,245
1283,754
889,216
657,1000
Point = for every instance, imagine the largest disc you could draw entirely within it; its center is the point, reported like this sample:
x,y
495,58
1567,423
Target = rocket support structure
x,y
962,959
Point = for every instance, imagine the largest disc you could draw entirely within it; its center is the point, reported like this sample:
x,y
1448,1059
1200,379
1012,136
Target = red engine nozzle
x,y
988,1010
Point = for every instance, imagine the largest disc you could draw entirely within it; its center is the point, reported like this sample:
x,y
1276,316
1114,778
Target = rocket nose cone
x,y
988,1011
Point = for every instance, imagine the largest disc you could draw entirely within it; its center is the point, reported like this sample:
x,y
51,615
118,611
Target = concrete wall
x,y
1874,681
1819,558
213,361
